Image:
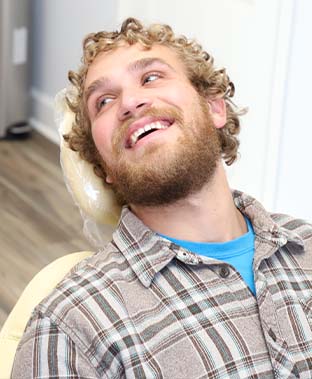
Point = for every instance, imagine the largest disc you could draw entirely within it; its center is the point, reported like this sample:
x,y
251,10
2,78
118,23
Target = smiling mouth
x,y
146,130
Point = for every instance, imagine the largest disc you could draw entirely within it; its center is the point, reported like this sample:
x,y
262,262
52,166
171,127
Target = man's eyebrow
x,y
137,65
144,63
94,86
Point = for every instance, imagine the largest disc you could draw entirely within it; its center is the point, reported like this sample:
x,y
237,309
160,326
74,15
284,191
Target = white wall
x,y
251,38
58,28
294,180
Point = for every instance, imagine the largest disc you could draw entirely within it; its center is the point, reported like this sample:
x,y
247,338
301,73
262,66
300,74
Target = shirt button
x,y
224,272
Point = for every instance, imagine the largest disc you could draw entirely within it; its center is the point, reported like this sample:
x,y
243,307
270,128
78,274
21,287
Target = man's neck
x,y
207,216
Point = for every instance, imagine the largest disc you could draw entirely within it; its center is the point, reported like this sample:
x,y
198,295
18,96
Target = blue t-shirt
x,y
239,252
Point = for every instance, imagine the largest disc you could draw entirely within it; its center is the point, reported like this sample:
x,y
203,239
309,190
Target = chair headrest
x,y
97,204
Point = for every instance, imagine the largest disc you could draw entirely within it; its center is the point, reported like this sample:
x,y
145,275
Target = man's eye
x,y
103,102
150,78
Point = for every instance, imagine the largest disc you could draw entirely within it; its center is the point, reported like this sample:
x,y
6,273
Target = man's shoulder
x,y
86,286
88,305
297,226
299,234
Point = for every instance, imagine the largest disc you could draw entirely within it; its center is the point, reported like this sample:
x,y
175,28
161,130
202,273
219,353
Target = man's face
x,y
152,129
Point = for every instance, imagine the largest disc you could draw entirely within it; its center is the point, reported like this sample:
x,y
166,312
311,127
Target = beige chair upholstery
x,y
39,287
87,189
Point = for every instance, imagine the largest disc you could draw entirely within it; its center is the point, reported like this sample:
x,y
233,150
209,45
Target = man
x,y
197,282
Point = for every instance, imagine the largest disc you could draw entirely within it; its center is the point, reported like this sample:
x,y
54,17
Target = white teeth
x,y
154,125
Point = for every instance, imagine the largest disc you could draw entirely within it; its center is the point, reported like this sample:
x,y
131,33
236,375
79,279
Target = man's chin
x,y
153,185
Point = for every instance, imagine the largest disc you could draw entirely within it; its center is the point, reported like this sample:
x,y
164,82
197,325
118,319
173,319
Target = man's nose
x,y
132,104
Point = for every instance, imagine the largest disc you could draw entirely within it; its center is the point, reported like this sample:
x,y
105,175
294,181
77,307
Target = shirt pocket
x,y
295,321
281,359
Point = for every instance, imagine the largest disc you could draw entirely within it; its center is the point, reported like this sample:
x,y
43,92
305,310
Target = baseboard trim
x,y
42,118
45,130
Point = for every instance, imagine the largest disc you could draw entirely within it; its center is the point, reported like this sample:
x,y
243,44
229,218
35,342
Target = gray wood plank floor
x,y
38,219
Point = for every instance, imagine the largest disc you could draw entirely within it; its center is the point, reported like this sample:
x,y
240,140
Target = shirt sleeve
x,y
47,352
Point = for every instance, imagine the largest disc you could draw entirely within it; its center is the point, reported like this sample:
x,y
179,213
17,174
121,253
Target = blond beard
x,y
170,172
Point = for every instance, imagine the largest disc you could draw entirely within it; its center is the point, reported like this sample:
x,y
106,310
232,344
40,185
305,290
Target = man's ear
x,y
109,179
217,108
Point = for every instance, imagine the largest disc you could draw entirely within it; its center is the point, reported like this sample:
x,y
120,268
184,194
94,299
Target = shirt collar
x,y
147,253
270,236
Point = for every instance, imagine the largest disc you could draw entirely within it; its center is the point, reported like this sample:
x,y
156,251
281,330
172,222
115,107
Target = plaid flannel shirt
x,y
146,308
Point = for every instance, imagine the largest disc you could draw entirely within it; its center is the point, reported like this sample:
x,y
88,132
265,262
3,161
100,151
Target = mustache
x,y
167,112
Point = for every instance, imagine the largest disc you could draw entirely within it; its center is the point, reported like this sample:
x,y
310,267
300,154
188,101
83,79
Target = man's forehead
x,y
132,58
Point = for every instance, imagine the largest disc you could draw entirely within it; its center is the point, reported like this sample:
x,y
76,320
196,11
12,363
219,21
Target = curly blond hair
x,y
207,80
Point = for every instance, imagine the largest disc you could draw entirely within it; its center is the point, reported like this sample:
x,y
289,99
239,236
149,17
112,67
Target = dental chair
x,y
100,212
